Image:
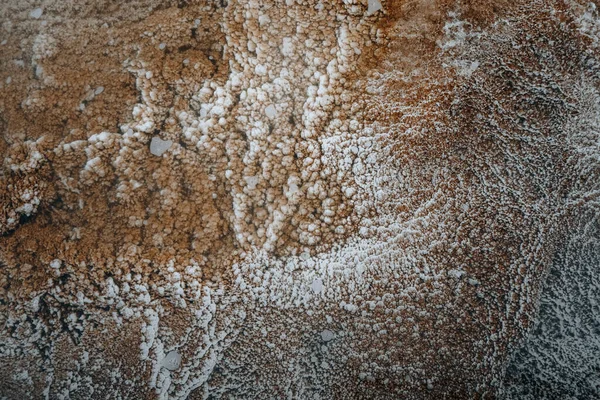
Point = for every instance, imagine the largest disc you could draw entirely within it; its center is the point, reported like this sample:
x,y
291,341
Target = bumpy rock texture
x,y
395,203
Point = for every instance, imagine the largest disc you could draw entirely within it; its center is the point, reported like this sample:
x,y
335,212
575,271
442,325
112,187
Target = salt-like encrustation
x,y
360,199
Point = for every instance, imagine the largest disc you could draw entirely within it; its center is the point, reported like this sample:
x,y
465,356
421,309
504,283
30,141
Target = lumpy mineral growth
x,y
252,199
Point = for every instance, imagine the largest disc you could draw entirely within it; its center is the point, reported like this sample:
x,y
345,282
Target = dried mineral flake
x,y
374,6
36,13
327,335
270,111
158,146
317,285
172,360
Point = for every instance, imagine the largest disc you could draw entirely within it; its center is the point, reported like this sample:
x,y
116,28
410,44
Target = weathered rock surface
x,y
299,199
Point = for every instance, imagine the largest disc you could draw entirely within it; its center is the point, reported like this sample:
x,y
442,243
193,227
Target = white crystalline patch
x,y
99,90
270,111
37,13
263,20
99,137
22,376
327,335
455,34
287,48
171,361
292,190
159,146
27,209
317,286
251,181
466,68
374,6
260,70
457,274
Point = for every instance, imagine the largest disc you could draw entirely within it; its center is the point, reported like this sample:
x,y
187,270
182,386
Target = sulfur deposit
x,y
265,199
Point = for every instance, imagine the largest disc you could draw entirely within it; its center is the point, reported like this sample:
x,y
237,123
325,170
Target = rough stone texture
x,y
391,204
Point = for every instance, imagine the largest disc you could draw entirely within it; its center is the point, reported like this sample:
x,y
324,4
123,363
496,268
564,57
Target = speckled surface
x,y
354,203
